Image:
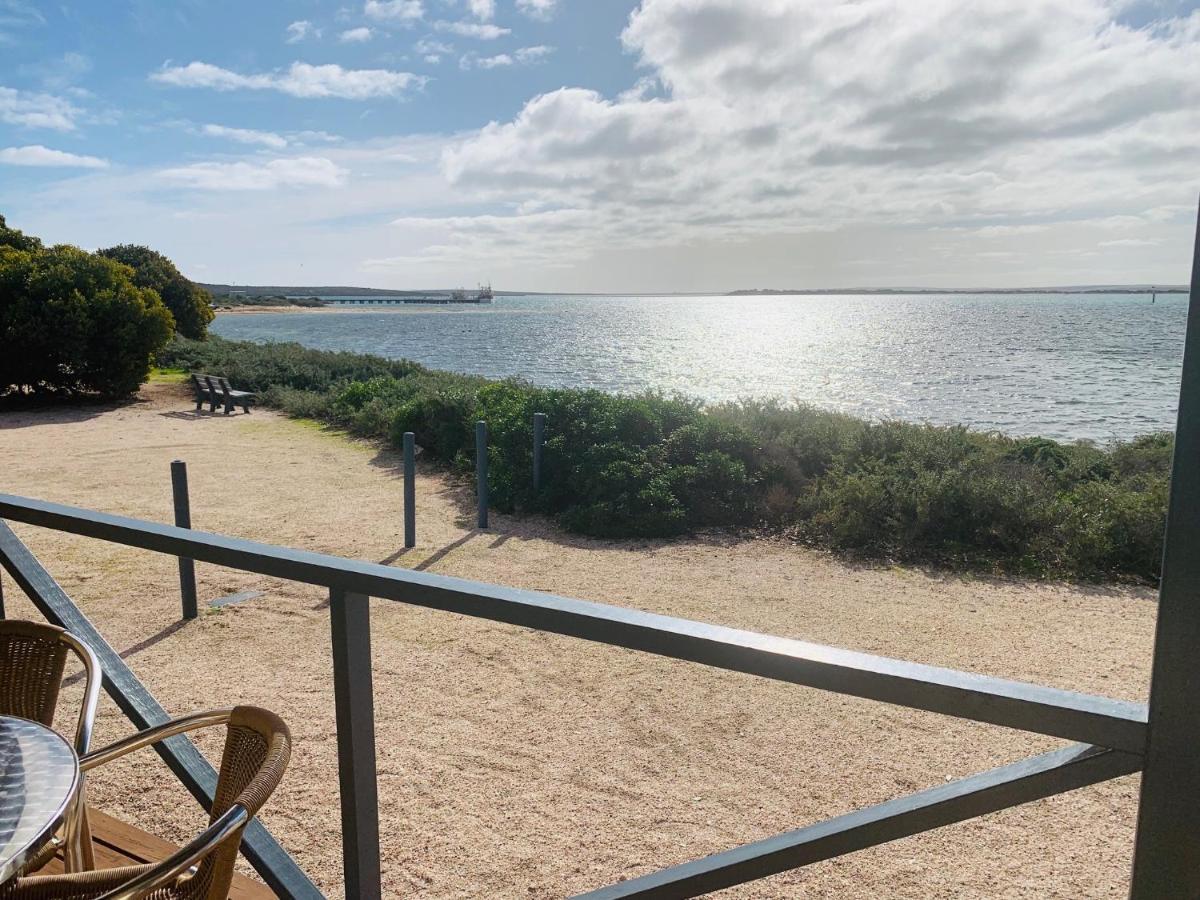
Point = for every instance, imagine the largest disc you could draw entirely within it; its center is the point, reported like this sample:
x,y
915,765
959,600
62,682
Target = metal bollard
x,y
481,469
410,491
539,440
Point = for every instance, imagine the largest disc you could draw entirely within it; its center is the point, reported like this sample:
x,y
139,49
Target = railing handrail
x,y
1087,718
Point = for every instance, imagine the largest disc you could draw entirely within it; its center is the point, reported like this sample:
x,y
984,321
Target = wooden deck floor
x,y
119,844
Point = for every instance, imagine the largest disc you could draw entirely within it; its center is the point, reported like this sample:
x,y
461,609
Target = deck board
x,y
116,843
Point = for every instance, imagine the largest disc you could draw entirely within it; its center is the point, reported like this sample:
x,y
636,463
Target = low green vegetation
x,y
653,466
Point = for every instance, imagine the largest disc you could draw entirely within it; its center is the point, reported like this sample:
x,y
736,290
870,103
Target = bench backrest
x,y
211,383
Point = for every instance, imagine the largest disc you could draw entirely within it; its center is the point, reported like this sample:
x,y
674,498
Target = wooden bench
x,y
116,843
216,390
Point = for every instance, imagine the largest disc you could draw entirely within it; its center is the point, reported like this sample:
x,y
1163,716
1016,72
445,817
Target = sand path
x,y
514,764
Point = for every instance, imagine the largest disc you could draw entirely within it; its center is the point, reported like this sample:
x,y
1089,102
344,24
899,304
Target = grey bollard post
x,y
410,491
481,467
183,519
539,439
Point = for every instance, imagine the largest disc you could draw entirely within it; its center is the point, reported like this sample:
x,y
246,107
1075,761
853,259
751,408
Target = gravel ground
x,y
517,764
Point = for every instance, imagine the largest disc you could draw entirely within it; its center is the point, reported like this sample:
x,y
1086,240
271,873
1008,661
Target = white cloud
x,y
482,9
299,80
57,73
301,30
300,171
474,60
786,117
16,15
523,56
432,51
473,30
1129,242
246,136
315,137
537,9
402,11
355,35
37,155
533,54
33,110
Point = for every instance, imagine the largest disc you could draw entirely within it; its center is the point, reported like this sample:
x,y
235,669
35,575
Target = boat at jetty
x,y
483,295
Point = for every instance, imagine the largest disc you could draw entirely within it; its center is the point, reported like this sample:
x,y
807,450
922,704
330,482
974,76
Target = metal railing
x,y
1114,737
1112,733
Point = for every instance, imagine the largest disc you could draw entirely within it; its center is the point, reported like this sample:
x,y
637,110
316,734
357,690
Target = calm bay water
x,y
1097,366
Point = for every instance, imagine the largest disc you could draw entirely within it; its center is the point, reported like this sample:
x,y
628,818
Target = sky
x,y
611,145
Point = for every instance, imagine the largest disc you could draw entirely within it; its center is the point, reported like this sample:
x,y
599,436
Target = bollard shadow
x,y
438,555
197,415
136,648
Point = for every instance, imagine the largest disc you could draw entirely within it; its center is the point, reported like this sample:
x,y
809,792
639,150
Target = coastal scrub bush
x,y
73,322
649,465
257,367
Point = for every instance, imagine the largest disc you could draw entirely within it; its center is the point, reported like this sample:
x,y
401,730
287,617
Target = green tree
x,y
10,237
188,303
74,322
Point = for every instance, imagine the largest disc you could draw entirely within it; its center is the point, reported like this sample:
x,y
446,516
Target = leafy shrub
x,y
72,322
650,465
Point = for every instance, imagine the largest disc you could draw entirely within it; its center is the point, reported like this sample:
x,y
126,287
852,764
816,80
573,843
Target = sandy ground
x,y
515,764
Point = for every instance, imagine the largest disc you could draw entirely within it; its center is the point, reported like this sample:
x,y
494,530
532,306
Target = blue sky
x,y
610,144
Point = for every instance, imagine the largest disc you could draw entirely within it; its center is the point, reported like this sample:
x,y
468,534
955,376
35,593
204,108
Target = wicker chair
x,y
32,658
257,749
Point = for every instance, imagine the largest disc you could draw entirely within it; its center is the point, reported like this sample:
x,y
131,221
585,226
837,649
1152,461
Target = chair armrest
x,y
166,872
154,735
93,676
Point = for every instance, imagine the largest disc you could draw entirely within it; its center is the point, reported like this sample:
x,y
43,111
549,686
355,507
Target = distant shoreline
x,y
1131,289
400,303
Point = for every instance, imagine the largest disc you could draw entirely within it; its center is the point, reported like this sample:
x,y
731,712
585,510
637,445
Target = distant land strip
x,y
345,291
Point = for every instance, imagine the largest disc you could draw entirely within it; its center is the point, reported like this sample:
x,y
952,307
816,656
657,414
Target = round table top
x,y
39,774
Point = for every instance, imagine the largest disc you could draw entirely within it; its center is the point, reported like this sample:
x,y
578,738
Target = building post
x,y
183,519
354,705
1167,844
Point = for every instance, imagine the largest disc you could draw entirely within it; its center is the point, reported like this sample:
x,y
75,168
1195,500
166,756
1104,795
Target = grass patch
x,y
655,466
167,375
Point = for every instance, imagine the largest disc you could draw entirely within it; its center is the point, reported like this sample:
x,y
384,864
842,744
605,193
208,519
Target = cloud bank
x,y
299,80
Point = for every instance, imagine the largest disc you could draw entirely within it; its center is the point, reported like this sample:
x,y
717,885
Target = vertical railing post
x,y
354,702
1166,856
183,519
3,615
539,439
410,490
481,472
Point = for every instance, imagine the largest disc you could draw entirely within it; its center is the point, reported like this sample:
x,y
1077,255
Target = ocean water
x,y
1098,367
